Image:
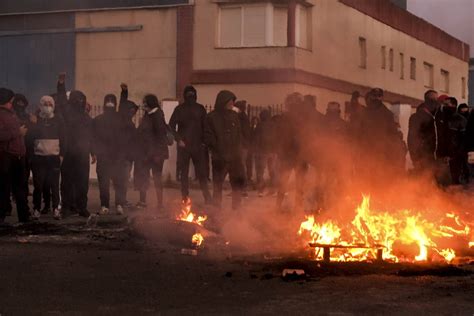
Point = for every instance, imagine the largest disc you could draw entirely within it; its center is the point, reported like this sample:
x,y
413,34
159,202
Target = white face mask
x,y
47,111
109,105
235,109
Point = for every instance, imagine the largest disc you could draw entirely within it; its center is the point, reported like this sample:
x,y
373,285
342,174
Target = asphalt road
x,y
133,265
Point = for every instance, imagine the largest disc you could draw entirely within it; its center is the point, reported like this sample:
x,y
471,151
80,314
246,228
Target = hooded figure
x,y
379,139
457,124
152,150
76,164
48,140
426,134
110,138
264,150
223,135
187,124
20,103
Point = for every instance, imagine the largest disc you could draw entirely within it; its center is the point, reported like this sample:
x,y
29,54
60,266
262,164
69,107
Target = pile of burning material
x,y
399,236
187,215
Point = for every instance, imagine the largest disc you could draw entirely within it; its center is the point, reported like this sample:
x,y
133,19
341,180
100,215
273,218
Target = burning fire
x,y
371,230
187,215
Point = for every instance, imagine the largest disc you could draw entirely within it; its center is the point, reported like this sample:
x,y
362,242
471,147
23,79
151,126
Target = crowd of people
x,y
58,142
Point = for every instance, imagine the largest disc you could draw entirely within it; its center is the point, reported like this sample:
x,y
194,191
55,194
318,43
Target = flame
x,y
371,230
197,239
187,215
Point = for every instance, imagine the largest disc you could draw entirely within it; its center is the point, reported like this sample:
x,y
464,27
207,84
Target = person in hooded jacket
x,y
48,141
264,151
241,109
293,128
457,124
425,132
127,111
152,150
76,163
109,147
378,136
12,159
187,123
223,135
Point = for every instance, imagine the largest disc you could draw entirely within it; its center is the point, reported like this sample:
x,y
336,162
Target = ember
x,y
372,231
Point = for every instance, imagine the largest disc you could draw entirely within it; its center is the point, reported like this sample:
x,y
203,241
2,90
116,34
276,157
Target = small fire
x,y
197,239
187,215
371,230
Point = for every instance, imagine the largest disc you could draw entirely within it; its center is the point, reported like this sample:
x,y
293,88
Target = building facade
x,y
261,50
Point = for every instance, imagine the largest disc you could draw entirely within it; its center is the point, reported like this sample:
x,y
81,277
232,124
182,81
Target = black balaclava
x,y
463,109
20,103
190,95
431,103
110,103
78,101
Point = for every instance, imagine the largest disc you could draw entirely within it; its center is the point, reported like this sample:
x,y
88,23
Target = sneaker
x,y
104,210
128,204
120,209
56,214
260,194
36,214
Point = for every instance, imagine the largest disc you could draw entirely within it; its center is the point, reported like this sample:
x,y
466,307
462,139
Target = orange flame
x,y
187,215
371,230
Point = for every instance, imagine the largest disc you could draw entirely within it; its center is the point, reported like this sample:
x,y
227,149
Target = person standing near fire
x,y
379,138
425,138
223,136
48,141
187,123
12,159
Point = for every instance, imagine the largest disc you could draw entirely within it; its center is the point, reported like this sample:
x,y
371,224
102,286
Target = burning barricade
x,y
398,236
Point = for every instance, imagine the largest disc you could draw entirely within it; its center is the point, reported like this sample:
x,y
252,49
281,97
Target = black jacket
x,y
223,133
187,123
47,137
108,136
78,126
151,137
425,131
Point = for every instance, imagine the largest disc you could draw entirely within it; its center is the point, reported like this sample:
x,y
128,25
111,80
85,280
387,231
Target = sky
x,y
455,17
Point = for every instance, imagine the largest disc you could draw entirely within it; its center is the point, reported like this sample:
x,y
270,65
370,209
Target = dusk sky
x,y
453,16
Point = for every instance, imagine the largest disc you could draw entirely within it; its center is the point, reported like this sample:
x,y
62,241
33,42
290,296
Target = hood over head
x,y
77,101
223,97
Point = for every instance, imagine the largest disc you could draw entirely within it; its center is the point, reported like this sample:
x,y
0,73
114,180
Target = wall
x,y
335,52
144,59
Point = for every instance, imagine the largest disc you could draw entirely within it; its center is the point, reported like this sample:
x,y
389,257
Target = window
x,y
428,75
444,81
303,26
280,26
390,59
252,25
383,55
363,52
413,68
463,87
402,66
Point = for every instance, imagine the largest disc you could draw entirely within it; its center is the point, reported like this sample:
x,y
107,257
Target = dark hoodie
x,y
106,131
424,129
188,120
78,126
151,135
222,132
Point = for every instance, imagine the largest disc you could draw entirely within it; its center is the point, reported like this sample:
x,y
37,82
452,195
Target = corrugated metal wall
x,y
30,63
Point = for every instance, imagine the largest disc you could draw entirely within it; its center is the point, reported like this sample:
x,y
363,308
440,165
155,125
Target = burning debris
x,y
187,215
376,235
